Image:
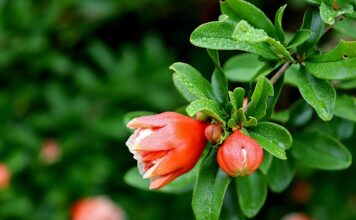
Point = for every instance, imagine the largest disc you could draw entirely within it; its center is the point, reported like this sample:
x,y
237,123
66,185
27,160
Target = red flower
x,y
96,208
239,155
166,146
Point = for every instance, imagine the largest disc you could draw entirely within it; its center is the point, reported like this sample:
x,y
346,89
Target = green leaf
x,y
252,193
281,174
218,79
242,67
347,84
338,127
339,70
274,133
245,32
237,98
320,151
329,14
343,51
257,106
190,83
207,106
300,113
291,75
266,163
319,93
278,23
311,21
346,26
182,184
300,37
217,35
247,11
209,189
345,107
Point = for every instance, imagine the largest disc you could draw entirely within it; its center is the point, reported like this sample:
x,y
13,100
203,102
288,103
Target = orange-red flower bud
x,y
5,176
239,155
213,133
166,146
96,208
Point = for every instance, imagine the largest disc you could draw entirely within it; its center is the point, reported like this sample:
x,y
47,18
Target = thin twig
x,y
280,72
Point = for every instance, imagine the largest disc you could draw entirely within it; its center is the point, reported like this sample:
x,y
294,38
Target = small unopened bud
x,y
213,133
239,155
245,103
200,116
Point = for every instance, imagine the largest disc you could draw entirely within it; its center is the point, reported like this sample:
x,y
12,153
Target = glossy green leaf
x,y
237,98
281,174
258,104
218,79
291,75
300,37
182,184
247,33
250,13
329,14
343,51
300,113
274,133
217,35
242,67
190,83
346,26
252,193
209,189
311,21
339,70
338,127
347,84
207,106
319,93
266,163
320,151
278,23
345,107
269,145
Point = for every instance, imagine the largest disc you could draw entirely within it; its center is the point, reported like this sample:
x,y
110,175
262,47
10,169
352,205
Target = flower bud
x,y
213,133
200,116
245,103
239,155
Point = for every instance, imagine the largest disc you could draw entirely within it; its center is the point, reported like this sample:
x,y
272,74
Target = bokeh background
x,y
69,72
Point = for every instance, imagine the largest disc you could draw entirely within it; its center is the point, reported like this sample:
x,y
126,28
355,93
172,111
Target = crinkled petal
x,y
151,121
160,181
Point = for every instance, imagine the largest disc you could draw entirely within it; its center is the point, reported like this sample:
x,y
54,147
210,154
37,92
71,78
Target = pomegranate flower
x,y
239,155
166,146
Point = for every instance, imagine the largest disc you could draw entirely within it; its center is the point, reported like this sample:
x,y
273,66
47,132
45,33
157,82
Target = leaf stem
x,y
280,72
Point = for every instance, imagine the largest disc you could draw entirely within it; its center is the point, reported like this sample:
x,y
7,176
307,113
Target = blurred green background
x,y
71,69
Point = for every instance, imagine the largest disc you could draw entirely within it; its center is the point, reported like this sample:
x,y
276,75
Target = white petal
x,y
148,173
